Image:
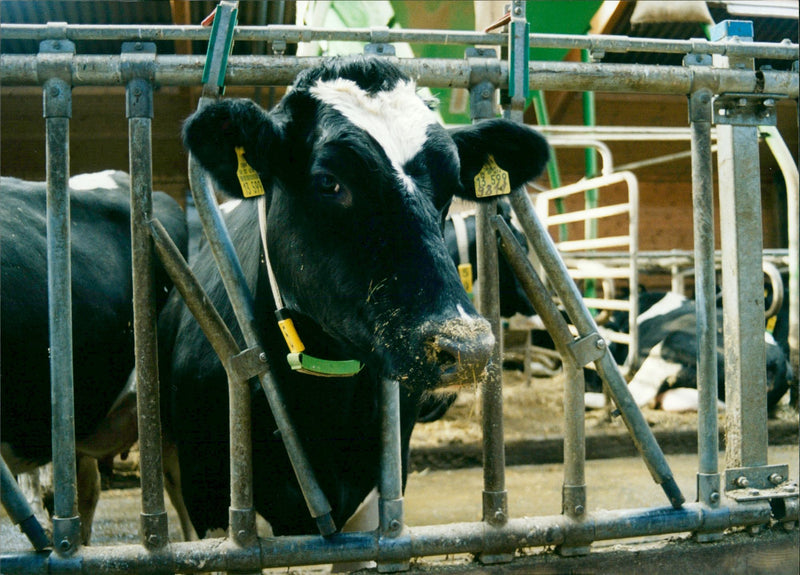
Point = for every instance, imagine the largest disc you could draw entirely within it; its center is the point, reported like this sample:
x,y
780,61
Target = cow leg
x,y
88,493
364,519
172,483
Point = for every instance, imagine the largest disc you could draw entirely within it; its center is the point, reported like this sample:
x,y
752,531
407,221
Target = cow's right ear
x,y
213,133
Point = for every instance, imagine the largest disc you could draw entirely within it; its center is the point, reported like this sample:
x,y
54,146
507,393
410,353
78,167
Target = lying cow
x,y
357,178
667,376
102,318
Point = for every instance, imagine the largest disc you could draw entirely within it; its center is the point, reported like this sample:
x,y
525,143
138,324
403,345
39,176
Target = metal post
x,y
742,278
54,61
391,476
708,476
138,66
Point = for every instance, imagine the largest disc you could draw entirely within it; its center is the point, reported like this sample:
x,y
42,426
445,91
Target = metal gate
x,y
726,92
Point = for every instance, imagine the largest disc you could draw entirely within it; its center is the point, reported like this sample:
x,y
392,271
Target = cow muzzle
x,y
460,349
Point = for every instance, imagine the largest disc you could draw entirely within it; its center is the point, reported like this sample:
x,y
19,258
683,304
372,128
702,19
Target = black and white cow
x,y
102,316
667,376
358,178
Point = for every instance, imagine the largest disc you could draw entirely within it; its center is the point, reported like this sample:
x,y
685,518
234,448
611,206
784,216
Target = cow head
x,y
358,177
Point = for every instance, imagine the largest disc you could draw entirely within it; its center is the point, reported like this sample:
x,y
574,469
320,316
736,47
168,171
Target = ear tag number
x,y
492,180
465,272
248,177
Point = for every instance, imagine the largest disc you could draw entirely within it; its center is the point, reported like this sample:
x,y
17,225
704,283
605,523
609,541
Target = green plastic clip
x,y
305,363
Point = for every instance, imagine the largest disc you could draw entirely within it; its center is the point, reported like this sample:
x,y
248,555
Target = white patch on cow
x,y
668,303
654,371
681,399
102,180
461,313
398,119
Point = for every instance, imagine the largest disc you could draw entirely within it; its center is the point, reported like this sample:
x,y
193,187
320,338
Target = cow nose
x,y
460,348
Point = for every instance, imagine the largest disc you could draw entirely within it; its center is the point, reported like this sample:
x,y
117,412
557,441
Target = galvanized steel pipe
x,y
594,43
181,70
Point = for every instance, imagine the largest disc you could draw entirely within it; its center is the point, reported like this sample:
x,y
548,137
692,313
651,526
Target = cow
x,y
667,376
357,176
102,319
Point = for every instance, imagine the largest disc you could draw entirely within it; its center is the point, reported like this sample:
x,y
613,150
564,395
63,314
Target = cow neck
x,y
297,358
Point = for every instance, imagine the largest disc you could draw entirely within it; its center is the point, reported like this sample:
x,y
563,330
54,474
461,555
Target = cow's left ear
x,y
516,148
213,133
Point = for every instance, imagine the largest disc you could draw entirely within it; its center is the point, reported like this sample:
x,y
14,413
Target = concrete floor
x,y
437,497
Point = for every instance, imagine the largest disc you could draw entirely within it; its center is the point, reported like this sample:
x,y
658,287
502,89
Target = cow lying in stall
x,y
357,178
102,316
667,375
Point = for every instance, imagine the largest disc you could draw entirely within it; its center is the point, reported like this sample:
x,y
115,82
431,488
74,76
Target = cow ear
x,y
213,133
516,148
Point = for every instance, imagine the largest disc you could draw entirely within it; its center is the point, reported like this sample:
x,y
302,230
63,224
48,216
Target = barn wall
x,y
99,141
665,190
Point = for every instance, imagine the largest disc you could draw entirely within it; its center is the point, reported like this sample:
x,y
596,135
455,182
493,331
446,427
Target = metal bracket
x,y
746,109
138,70
54,68
587,349
250,363
379,49
754,483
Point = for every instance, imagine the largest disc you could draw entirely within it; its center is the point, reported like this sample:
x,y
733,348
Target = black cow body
x,y
358,177
668,352
102,317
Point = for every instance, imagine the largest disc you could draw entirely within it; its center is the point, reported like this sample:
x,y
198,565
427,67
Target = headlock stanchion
x,y
54,68
715,93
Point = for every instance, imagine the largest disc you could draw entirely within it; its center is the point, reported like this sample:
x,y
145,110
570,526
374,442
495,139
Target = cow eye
x,y
327,185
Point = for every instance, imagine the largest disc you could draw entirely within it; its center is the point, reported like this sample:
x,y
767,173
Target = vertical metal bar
x,y
391,475
139,111
708,476
495,500
705,280
742,279
57,113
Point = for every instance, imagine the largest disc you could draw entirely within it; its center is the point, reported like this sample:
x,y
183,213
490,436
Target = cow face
x,y
358,176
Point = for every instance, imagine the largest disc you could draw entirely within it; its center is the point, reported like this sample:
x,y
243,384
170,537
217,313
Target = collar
x,y
297,358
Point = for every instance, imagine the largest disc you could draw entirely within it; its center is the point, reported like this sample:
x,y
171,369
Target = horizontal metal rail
x,y
519,533
597,43
181,70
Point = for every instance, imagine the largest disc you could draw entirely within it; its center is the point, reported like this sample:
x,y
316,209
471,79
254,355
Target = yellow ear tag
x,y
465,272
492,180
248,177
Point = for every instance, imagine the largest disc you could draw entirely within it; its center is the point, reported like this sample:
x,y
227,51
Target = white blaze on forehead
x,y
398,119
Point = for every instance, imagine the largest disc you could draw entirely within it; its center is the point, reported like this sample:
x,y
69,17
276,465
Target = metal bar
x,y
495,498
235,285
183,70
139,110
742,289
294,34
390,504
572,142
57,113
18,509
216,555
606,366
708,476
